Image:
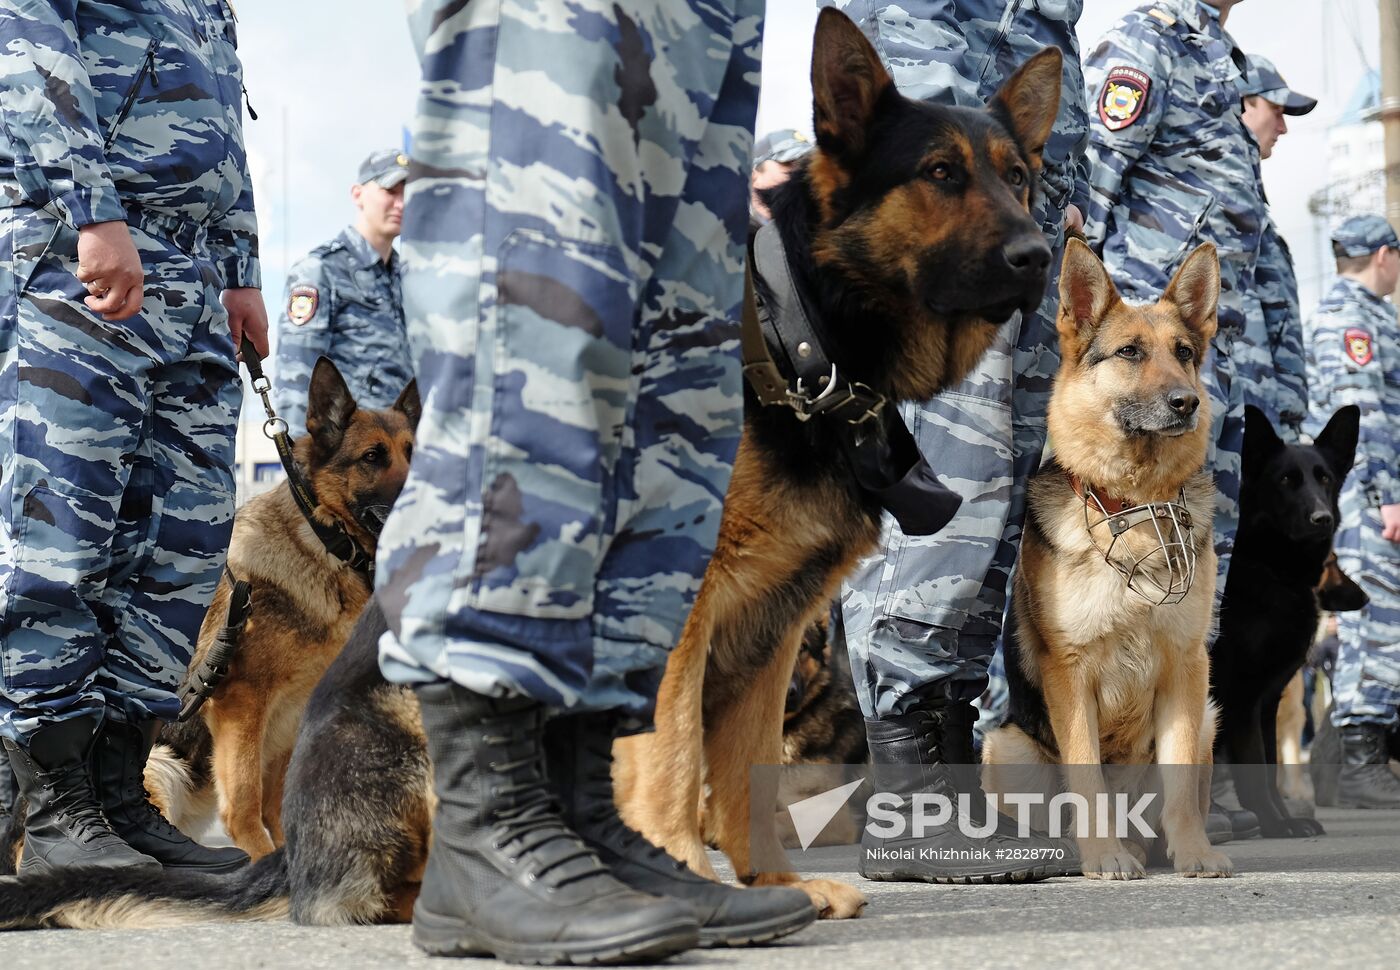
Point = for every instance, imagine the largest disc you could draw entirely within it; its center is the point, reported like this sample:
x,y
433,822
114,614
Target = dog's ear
x,y
409,405
1030,99
847,83
1195,292
1261,441
1086,295
329,406
1338,440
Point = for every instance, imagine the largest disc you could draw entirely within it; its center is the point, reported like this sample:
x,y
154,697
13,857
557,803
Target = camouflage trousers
x,y
923,613
573,252
1366,679
116,497
1227,397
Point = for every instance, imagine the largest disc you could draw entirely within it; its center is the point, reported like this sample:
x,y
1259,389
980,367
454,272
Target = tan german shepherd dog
x,y
1099,673
908,228
305,602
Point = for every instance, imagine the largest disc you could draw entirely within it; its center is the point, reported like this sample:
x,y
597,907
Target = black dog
x,y
1269,614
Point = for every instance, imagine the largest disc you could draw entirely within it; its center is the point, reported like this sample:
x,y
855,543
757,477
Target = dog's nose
x,y
1321,517
1183,402
1027,255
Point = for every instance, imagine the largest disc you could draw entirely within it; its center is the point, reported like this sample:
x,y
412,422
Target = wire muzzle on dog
x,y
1162,575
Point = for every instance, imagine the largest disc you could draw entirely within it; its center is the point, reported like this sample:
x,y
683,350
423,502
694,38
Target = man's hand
x,y
110,268
1074,219
247,317
1390,523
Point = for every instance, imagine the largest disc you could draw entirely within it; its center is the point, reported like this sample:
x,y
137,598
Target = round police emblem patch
x,y
1123,97
301,306
1358,345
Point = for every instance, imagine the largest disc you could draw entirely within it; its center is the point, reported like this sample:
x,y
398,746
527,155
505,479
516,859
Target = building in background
x,y
1355,173
256,467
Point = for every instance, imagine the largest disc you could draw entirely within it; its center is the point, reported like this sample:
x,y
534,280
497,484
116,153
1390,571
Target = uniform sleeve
x,y
233,237
303,335
1349,370
1278,293
1127,78
49,113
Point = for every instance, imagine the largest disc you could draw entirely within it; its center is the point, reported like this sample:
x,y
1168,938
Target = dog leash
x,y
205,676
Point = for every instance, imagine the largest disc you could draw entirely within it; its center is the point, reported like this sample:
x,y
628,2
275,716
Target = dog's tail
x,y
93,899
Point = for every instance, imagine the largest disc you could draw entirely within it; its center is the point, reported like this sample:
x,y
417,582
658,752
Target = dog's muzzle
x,y
1164,573
373,517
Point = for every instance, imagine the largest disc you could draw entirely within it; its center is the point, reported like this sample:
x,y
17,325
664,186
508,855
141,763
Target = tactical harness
x,y
211,670
882,453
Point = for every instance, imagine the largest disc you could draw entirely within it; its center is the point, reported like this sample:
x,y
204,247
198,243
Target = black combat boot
x,y
930,750
579,752
65,826
10,827
1366,780
118,773
506,877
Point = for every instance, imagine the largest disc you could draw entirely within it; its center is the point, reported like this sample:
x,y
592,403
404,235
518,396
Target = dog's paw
x,y
1303,828
833,900
1204,863
1116,862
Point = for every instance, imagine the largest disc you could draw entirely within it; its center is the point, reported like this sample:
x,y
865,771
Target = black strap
x,y
205,676
336,540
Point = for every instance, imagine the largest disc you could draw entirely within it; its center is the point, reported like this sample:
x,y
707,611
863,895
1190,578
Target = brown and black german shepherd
x,y
1098,673
305,602
908,230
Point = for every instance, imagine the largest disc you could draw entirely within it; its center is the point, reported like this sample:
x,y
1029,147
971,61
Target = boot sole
x,y
1035,874
34,866
758,931
1370,806
447,937
217,870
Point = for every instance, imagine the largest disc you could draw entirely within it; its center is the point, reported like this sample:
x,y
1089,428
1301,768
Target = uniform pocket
x,y
561,397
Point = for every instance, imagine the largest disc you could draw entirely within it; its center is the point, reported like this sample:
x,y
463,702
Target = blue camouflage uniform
x,y
573,268
345,303
1172,165
116,497
1353,356
1269,360
922,614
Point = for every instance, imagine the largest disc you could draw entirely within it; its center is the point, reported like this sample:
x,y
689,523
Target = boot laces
x,y
74,799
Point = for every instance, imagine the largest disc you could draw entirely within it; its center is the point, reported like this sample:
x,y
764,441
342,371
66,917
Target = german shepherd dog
x,y
305,602
908,230
1269,613
1099,672
822,722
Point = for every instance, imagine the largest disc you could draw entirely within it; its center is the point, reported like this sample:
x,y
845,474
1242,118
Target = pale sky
x,y
332,80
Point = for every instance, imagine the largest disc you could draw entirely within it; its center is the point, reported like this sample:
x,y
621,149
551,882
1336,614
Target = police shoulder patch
x,y
1358,345
1123,97
302,304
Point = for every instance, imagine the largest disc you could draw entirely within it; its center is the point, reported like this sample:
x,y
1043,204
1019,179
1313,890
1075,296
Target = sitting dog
x,y
1114,591
304,600
1269,613
908,239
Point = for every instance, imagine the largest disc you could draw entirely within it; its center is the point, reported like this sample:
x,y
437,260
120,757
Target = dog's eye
x,y
1129,352
1289,481
374,456
1185,354
1324,478
1017,177
940,172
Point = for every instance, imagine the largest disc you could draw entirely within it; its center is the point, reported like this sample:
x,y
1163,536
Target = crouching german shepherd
x,y
1107,663
305,601
907,231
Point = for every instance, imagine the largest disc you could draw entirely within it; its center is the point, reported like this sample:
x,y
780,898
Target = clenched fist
x,y
110,268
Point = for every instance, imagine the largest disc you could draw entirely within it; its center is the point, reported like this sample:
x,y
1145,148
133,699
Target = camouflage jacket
x,y
1269,361
345,302
1171,162
962,50
1353,356
107,107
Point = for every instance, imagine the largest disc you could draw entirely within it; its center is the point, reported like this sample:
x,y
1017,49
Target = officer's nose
x,y
1183,401
1027,256
1322,518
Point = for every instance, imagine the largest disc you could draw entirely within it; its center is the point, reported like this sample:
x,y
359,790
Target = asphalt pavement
x,y
1332,901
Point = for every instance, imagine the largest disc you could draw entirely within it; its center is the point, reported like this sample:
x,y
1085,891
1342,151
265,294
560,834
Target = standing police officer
x,y
1269,360
1353,354
344,302
128,257
1172,166
574,253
